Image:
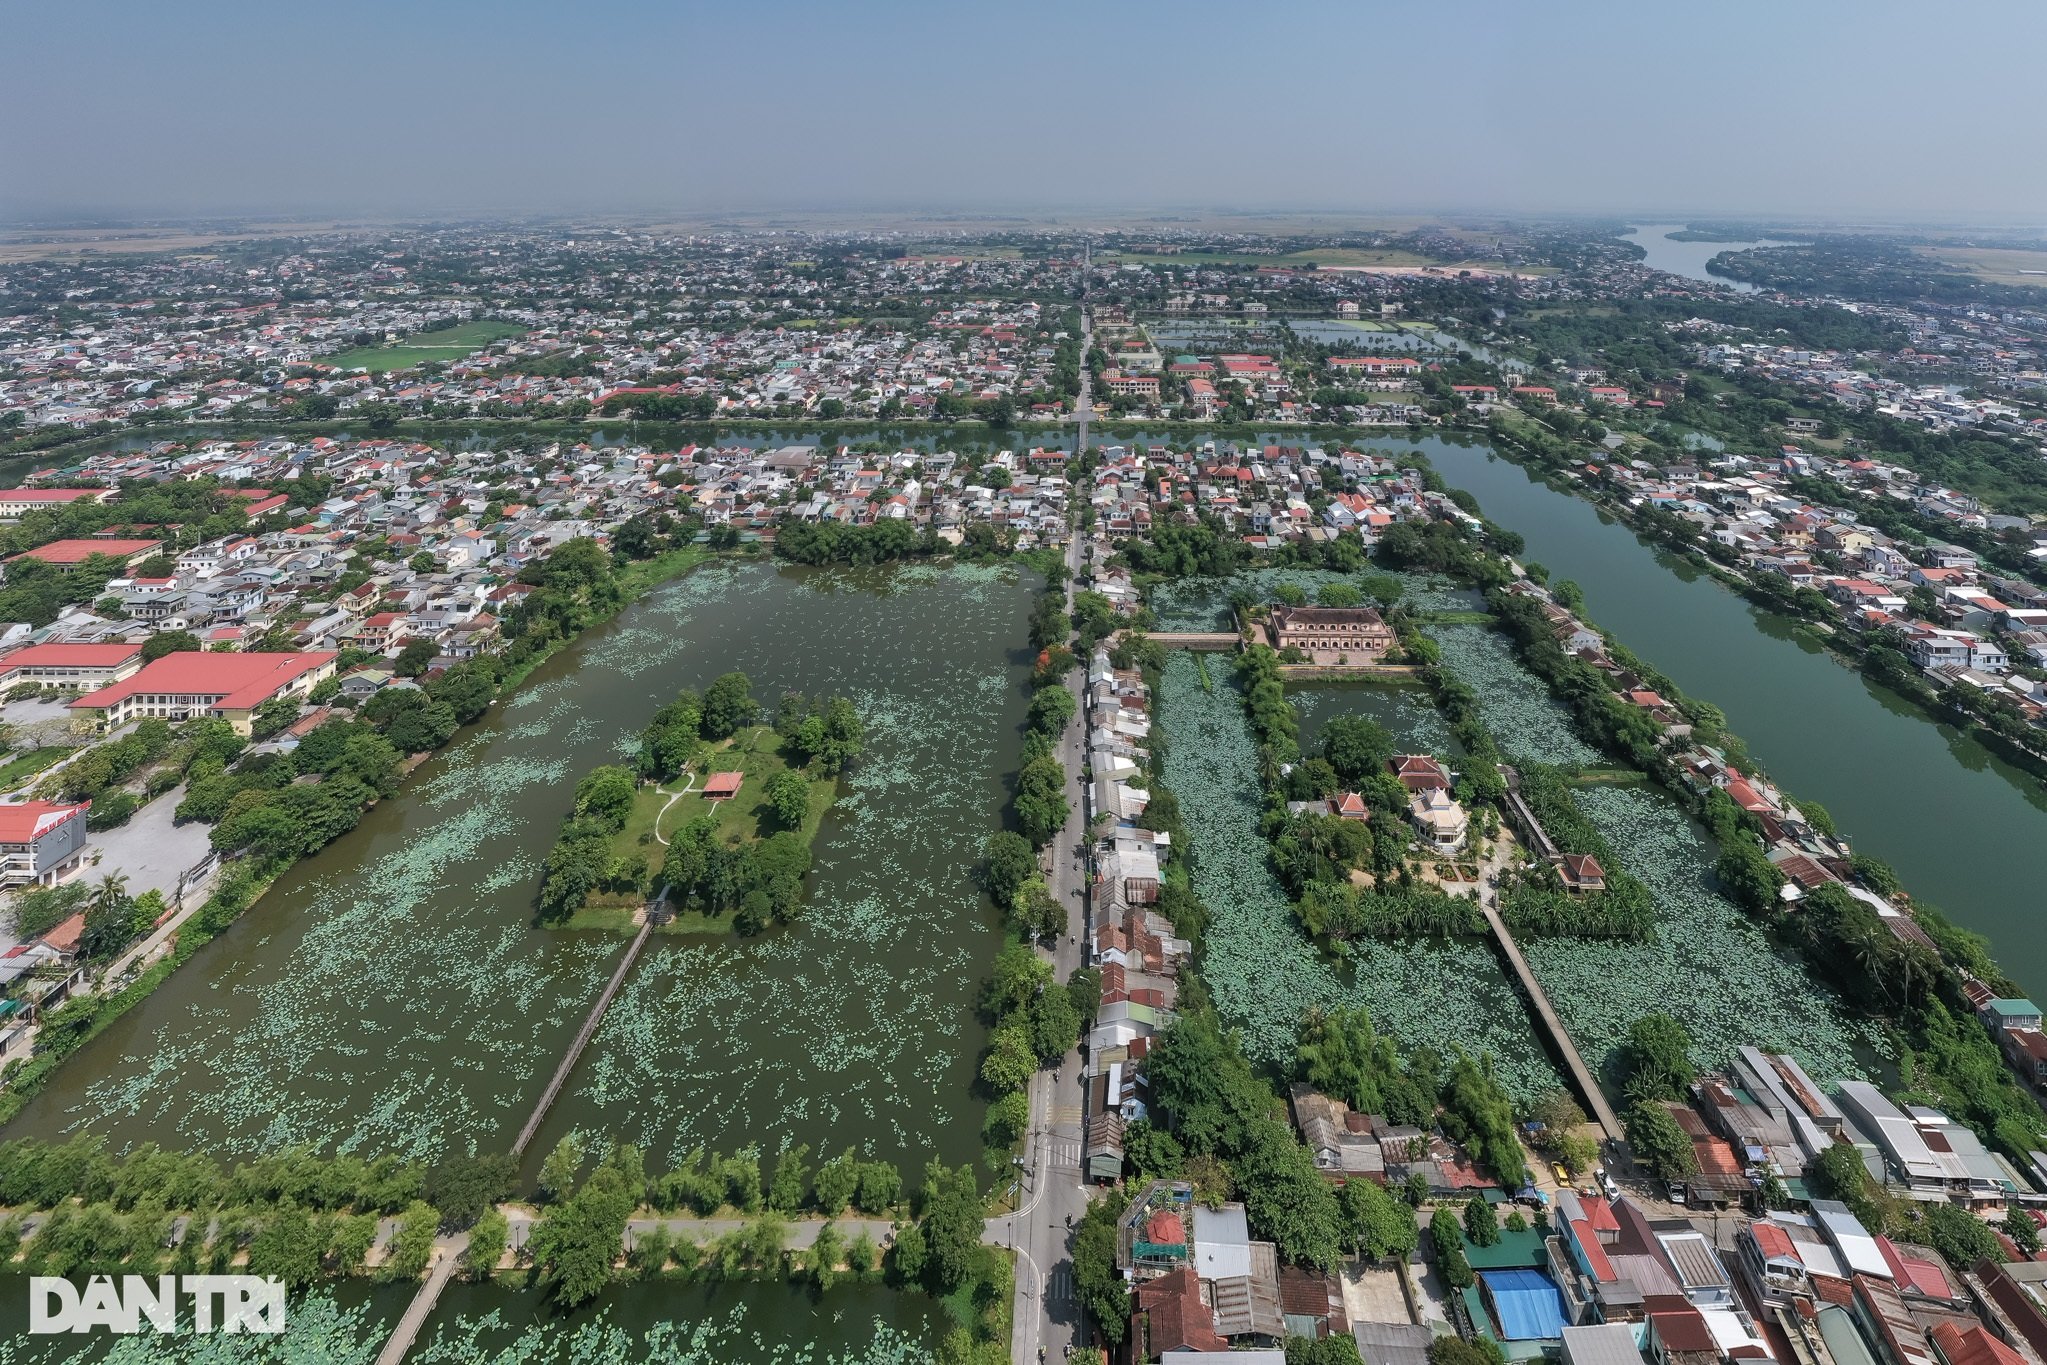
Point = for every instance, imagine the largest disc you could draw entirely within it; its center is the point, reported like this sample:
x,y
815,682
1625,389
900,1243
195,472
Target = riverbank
x,y
1847,648
1875,764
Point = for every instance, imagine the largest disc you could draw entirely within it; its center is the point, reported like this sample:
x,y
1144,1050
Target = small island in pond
x,y
710,826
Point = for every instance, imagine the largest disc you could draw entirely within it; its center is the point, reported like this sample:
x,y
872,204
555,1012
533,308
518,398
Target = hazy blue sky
x,y
1846,108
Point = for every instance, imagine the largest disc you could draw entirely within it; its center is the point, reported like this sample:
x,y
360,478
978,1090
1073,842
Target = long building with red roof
x,y
228,686
69,665
15,502
69,554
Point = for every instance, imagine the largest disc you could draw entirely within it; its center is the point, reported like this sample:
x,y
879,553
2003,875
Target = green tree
x,y
1097,1283
1006,864
729,706
109,917
1334,1350
1839,1174
1010,1059
790,1188
463,1188
1481,1228
1959,1236
289,1244
1357,747
1040,804
788,796
1037,912
558,1171
1455,1350
1658,1143
170,642
412,1246
1054,1024
1446,1235
1006,1121
1051,710
837,1181
951,1226
576,1242
487,1242
415,658
1656,1060
1375,1223
1340,594
606,795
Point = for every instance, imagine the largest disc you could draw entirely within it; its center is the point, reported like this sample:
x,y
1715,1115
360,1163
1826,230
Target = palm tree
x,y
111,892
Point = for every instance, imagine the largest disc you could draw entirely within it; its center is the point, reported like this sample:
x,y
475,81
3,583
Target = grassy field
x,y
1998,267
658,813
449,343
27,764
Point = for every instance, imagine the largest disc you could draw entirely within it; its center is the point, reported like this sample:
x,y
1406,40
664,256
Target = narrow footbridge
x,y
1546,1015
582,1040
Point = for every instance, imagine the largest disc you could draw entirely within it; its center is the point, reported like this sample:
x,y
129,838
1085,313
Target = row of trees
x,y
582,860
1034,1021
1040,805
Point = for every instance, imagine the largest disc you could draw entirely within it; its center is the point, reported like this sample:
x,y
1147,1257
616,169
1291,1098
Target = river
x,y
1689,258
1965,831
391,993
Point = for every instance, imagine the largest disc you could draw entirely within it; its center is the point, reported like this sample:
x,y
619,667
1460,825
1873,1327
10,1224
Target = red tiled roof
x,y
50,494
22,821
1772,1240
64,938
78,551
1974,1346
1595,1254
1177,1317
719,785
236,682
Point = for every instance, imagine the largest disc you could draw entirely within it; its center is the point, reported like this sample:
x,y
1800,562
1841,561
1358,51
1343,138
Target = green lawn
x,y
449,343
658,813
23,766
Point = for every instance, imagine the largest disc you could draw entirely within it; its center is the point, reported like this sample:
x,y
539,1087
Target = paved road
x,y
152,850
1047,1315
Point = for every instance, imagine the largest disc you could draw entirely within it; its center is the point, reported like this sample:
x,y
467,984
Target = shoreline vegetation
x,y
717,813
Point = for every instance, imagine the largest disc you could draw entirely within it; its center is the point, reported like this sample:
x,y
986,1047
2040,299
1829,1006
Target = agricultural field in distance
x,y
448,343
1993,264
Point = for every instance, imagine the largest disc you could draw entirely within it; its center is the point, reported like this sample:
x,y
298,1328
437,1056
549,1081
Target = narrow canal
x,y
391,994
1965,831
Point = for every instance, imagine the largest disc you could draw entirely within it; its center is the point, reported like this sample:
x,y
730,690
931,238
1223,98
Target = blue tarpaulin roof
x,y
1526,1303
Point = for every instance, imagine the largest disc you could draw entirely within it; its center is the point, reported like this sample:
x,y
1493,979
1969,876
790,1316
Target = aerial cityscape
x,y
673,691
